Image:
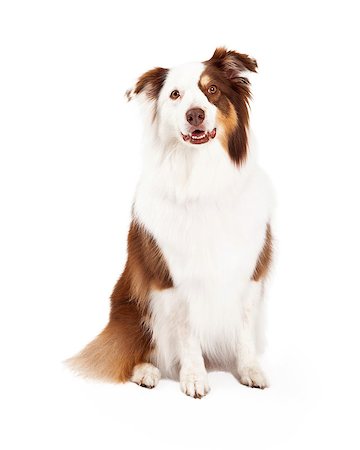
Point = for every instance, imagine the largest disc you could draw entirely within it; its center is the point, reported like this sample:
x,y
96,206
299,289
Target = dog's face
x,y
185,113
200,102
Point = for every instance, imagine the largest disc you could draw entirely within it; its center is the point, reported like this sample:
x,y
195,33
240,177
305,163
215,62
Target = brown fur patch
x,y
228,123
146,267
223,69
264,260
205,81
151,82
126,341
232,62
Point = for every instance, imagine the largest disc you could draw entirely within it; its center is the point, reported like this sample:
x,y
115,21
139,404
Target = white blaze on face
x,y
172,113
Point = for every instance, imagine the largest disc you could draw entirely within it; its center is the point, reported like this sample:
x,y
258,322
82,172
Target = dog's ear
x,y
149,83
232,63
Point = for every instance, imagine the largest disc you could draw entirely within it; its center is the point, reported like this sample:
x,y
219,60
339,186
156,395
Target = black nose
x,y
195,116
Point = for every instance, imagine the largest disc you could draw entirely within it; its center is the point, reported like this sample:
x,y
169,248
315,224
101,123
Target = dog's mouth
x,y
199,136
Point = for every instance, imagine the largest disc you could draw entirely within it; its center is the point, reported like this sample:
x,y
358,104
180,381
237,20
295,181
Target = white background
x,y
70,159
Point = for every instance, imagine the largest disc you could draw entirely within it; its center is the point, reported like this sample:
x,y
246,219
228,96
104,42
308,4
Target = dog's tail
x,y
112,355
102,358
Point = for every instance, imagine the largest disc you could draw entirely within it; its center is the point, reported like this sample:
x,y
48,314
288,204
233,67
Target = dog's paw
x,y
253,376
146,375
194,384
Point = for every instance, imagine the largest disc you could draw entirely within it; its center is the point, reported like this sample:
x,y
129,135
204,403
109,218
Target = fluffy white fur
x,y
146,375
209,219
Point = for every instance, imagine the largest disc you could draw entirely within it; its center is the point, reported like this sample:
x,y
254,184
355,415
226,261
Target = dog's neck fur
x,y
184,174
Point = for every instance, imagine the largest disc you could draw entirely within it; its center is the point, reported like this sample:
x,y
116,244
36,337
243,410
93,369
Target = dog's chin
x,y
199,136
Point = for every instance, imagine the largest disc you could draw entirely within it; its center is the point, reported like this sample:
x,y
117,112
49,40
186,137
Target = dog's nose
x,y
195,116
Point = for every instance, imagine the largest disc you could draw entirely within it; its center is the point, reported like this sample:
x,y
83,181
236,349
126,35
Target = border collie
x,y
190,297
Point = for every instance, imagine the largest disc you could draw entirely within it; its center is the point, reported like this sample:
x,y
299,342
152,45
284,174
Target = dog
x,y
190,298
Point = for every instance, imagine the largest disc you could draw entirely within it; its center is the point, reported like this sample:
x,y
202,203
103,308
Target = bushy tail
x,y
111,356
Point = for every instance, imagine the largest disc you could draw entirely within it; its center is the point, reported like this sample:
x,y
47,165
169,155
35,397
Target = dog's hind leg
x,y
146,375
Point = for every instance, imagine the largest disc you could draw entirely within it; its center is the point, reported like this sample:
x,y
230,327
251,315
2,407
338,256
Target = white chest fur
x,y
210,241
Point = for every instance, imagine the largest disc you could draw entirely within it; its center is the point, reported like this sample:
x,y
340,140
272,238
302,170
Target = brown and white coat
x,y
200,244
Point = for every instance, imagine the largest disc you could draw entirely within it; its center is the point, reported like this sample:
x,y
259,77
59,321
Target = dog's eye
x,y
175,94
212,89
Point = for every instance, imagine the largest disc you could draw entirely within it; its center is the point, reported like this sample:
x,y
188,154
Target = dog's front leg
x,y
248,367
193,375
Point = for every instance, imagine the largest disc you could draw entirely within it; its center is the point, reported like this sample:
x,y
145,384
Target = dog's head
x,y
198,103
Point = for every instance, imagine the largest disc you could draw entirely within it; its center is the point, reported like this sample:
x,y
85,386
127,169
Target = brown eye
x,y
212,89
175,94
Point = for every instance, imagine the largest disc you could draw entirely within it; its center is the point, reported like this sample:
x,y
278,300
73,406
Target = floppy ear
x,y
232,63
150,83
